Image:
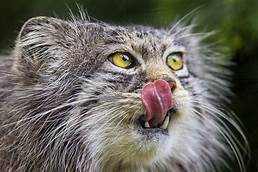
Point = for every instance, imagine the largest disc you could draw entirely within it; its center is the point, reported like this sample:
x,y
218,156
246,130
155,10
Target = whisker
x,y
229,137
232,122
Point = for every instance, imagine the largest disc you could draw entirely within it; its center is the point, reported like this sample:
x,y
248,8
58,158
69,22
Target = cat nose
x,y
170,81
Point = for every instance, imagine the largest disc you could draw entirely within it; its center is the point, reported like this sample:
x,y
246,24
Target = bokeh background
x,y
236,23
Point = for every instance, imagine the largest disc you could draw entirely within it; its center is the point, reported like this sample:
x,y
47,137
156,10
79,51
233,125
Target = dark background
x,y
235,20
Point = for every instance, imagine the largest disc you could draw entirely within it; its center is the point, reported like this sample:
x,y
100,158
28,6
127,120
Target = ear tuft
x,y
39,41
29,25
41,27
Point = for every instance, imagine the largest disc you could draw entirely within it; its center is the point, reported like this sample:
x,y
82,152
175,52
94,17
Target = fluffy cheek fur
x,y
111,128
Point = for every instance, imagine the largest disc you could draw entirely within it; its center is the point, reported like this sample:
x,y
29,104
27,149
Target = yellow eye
x,y
123,60
175,61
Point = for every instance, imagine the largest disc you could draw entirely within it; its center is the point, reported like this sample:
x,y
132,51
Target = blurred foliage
x,y
235,20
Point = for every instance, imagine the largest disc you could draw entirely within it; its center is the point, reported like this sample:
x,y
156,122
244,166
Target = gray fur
x,y
65,107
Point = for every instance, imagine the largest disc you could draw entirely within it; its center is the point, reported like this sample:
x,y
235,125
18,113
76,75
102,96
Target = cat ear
x,y
39,34
39,41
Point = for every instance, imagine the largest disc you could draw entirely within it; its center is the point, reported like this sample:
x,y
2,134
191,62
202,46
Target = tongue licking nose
x,y
157,99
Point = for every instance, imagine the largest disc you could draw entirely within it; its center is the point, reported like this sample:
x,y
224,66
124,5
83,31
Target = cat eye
x,y
123,60
175,61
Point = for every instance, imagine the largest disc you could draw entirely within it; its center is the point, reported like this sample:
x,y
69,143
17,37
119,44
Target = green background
x,y
235,20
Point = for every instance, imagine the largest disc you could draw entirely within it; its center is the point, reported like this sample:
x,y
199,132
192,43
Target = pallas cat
x,y
86,96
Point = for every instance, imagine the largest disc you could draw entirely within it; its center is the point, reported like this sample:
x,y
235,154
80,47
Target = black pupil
x,y
125,58
175,59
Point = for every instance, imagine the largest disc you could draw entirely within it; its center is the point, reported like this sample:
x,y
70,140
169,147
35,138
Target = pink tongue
x,y
157,100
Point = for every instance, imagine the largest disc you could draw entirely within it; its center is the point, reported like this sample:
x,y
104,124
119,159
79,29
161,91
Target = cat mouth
x,y
147,127
158,101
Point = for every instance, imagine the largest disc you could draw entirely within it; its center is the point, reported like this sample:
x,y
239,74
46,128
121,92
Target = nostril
x,y
171,82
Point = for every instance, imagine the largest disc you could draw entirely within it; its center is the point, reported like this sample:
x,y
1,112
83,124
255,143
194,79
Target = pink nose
x,y
157,99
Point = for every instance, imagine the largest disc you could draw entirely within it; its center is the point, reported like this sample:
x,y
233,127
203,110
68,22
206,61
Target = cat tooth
x,y
165,123
146,124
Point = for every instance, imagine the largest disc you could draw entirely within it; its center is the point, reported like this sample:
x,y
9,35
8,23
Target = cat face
x,y
148,52
95,81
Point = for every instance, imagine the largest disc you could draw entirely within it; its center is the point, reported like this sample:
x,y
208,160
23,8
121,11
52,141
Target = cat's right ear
x,y
39,34
38,42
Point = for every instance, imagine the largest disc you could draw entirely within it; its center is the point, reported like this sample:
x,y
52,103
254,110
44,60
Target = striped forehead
x,y
149,47
145,43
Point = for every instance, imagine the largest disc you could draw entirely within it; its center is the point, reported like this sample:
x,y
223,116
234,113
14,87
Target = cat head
x,y
112,97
